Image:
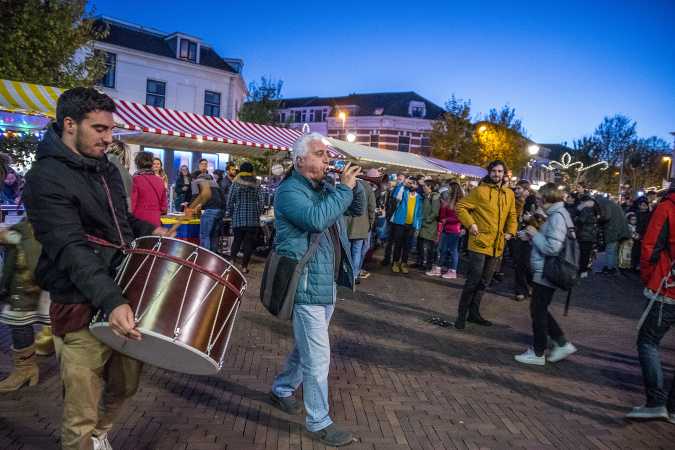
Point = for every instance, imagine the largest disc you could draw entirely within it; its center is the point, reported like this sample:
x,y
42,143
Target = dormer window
x,y
188,50
417,109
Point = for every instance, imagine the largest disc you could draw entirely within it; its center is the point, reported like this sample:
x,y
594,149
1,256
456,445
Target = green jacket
x,y
22,252
358,227
430,210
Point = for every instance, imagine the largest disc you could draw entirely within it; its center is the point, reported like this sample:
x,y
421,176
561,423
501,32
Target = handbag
x,y
280,280
562,270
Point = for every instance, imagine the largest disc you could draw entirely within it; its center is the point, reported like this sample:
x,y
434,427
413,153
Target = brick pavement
x,y
396,380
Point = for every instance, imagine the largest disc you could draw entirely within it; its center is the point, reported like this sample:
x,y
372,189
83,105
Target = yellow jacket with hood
x,y
492,208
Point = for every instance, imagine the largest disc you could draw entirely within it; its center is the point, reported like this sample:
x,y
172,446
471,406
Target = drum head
x,y
158,350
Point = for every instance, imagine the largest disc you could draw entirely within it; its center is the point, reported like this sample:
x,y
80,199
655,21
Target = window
x,y
188,50
375,140
417,111
304,116
223,159
212,103
282,117
155,93
404,143
298,117
181,158
108,79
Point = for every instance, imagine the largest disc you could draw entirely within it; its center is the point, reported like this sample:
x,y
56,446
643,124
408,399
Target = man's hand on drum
x,y
122,322
165,232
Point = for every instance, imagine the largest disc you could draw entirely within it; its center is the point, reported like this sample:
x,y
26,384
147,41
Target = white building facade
x,y
175,71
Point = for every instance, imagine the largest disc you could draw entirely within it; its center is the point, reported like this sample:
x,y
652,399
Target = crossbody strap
x,y
313,245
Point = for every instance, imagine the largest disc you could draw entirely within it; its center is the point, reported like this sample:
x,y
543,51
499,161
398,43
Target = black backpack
x,y
562,270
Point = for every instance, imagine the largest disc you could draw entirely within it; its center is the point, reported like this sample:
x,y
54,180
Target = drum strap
x,y
124,248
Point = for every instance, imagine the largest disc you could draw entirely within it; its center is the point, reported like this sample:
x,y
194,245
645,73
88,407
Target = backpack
x,y
562,270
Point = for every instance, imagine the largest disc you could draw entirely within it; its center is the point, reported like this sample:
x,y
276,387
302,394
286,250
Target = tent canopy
x,y
372,157
466,170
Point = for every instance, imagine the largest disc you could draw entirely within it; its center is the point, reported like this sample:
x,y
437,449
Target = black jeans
x,y
522,250
246,236
543,323
479,271
585,254
426,256
22,336
400,234
649,338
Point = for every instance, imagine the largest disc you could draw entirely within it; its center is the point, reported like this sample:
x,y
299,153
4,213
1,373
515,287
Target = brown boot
x,y
44,342
25,371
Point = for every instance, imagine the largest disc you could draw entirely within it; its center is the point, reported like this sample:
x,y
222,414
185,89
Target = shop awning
x,y
466,170
28,98
374,157
162,127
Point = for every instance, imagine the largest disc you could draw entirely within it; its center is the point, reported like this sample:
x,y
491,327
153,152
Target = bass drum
x,y
185,301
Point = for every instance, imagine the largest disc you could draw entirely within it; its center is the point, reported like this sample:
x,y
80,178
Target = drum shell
x,y
178,301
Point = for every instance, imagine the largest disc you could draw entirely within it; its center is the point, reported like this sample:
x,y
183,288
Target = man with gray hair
x,y
305,205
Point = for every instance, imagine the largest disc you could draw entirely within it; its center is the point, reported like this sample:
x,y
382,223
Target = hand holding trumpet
x,y
349,174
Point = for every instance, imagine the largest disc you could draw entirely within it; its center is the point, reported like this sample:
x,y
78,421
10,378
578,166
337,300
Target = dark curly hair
x,y
76,103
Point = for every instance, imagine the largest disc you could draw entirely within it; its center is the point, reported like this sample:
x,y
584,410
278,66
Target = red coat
x,y
657,246
148,198
448,220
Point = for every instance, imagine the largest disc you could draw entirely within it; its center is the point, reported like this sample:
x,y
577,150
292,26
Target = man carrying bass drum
x,y
75,200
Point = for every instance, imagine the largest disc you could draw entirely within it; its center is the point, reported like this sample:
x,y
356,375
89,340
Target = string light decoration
x,y
566,164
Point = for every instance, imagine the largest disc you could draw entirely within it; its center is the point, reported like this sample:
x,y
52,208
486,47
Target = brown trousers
x,y
97,381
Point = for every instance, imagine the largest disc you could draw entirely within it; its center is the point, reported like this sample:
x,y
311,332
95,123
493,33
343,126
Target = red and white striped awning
x,y
184,130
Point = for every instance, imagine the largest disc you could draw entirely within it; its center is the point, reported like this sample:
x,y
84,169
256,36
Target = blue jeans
x,y
449,251
357,254
612,254
308,363
649,338
209,228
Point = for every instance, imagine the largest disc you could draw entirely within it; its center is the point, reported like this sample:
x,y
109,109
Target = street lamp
x,y
669,160
533,149
343,118
351,137
482,128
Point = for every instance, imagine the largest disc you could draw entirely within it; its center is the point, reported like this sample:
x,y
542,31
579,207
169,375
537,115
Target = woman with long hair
x,y
158,169
182,188
148,195
547,241
451,233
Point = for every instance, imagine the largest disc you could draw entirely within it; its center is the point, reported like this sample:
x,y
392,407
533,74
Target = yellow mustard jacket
x,y
493,209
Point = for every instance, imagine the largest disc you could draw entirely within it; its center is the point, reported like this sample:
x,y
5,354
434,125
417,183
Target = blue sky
x,y
563,65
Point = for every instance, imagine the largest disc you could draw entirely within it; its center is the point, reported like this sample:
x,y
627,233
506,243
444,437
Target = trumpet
x,y
338,166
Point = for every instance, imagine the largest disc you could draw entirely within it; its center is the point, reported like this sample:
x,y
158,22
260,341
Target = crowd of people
x,y
80,198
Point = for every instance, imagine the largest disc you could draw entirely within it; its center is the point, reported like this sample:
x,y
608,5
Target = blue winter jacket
x,y
301,208
401,211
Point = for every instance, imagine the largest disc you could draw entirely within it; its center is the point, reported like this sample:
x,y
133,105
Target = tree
x,y
261,107
506,117
614,137
501,136
262,102
40,40
645,166
452,135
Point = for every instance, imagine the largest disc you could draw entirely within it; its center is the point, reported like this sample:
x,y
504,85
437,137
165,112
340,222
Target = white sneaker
x,y
529,357
559,353
101,442
647,413
450,275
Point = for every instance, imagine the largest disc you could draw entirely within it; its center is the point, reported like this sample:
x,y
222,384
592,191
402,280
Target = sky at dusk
x,y
563,65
